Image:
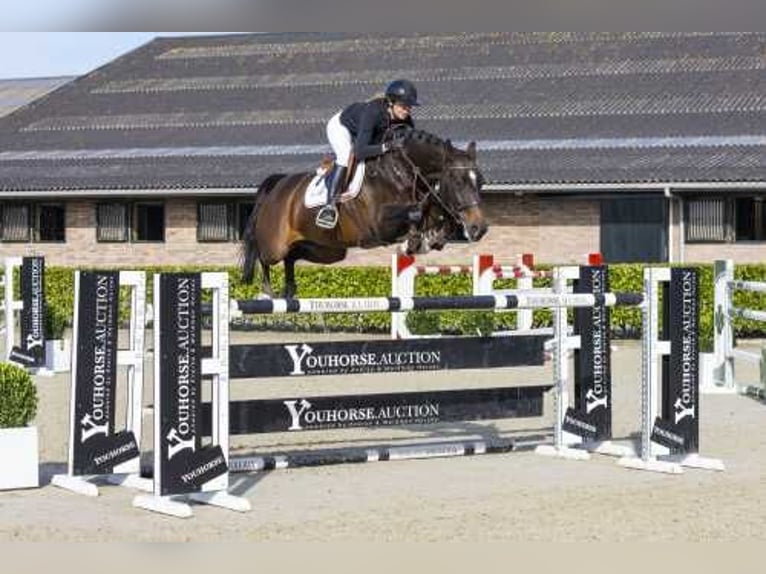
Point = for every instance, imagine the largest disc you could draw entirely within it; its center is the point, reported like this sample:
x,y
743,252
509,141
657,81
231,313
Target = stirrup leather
x,y
327,218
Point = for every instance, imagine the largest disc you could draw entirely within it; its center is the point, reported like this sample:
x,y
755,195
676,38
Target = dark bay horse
x,y
420,192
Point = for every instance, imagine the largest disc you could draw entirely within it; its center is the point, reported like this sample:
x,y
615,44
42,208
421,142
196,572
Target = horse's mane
x,y
422,136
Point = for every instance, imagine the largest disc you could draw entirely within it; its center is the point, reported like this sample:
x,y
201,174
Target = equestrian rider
x,y
360,128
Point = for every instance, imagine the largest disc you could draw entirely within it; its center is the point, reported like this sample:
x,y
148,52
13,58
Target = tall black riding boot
x,y
327,218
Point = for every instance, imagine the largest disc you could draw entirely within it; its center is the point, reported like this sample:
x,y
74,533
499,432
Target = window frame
x,y
730,219
36,224
236,211
125,228
228,223
134,207
758,225
688,224
29,216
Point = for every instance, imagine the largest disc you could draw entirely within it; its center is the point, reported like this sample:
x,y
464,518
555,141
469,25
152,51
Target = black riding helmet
x,y
402,91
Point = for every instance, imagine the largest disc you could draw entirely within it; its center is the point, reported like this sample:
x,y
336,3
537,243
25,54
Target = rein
x,y
433,190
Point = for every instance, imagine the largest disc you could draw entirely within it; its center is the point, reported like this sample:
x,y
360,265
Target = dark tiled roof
x,y
224,112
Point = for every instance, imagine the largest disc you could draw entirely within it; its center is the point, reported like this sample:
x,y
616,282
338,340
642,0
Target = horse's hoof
x,y
402,248
263,296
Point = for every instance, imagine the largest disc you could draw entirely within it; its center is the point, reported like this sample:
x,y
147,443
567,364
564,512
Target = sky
x,y
58,50
49,54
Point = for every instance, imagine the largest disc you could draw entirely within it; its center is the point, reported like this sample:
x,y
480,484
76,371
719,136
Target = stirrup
x,y
327,218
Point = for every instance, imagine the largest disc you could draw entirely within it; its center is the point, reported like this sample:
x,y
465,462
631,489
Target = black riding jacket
x,y
367,122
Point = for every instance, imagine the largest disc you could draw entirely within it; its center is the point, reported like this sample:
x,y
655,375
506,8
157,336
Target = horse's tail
x,y
250,251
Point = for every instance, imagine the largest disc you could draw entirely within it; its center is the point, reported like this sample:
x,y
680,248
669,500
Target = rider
x,y
360,128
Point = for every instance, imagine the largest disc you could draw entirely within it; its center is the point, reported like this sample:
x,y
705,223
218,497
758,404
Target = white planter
x,y
58,355
707,371
19,458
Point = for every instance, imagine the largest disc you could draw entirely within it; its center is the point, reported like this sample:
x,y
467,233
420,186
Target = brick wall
x,y
82,249
555,230
741,252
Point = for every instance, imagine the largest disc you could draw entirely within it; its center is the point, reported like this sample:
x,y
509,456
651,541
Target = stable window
x,y
222,221
50,223
38,222
706,220
213,222
112,222
149,222
726,219
15,222
750,219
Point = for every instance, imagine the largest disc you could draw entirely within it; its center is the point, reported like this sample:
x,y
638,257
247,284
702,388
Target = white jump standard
x,y
587,425
30,352
96,448
725,351
183,467
670,403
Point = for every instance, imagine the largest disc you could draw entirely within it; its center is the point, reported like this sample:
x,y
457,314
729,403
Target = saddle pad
x,y
316,192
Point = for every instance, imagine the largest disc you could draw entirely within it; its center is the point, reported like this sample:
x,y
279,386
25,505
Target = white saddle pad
x,y
316,192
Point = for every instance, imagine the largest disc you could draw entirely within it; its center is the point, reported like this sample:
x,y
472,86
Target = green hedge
x,y
337,281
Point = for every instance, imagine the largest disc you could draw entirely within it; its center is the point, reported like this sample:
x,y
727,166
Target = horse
x,y
421,192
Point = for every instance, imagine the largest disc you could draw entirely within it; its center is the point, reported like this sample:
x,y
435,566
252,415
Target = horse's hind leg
x,y
266,280
310,252
290,286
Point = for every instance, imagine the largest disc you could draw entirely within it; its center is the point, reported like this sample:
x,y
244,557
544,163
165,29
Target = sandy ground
x,y
517,496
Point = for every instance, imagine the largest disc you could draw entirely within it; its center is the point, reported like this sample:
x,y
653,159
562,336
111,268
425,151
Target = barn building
x,y
645,146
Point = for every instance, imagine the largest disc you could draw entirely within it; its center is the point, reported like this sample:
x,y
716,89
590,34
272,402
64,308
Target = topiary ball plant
x,y
18,396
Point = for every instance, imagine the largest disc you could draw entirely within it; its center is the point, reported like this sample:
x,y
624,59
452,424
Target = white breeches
x,y
340,140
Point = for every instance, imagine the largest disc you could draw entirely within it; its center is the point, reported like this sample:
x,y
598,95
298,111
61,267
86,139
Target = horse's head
x,y
458,185
448,180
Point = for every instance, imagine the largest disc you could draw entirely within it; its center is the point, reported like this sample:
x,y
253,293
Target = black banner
x,y
680,370
669,435
96,448
593,380
581,424
185,465
394,409
384,356
109,451
31,349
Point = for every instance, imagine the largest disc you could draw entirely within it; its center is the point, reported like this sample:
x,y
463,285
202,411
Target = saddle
x,y
327,166
316,192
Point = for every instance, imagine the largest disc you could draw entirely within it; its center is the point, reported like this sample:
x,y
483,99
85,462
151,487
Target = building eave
x,y
127,193
654,187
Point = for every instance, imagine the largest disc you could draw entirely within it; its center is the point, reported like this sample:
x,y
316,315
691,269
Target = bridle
x,y
432,190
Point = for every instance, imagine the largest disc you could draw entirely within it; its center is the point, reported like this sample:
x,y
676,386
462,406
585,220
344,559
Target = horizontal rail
x,y
748,314
753,357
754,286
369,454
503,272
467,303
443,270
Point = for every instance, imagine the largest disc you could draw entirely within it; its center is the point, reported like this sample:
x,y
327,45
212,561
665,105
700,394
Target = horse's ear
x,y
472,151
